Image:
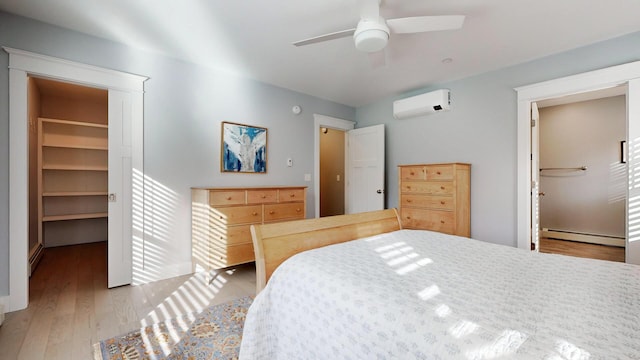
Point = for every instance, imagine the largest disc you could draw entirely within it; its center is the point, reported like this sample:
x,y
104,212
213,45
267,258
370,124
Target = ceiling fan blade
x,y
325,37
378,59
418,24
369,9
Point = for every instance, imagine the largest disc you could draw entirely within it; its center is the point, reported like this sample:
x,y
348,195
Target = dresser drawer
x,y
413,173
274,212
231,197
232,215
287,195
435,220
221,220
431,187
261,196
231,255
435,172
233,235
427,201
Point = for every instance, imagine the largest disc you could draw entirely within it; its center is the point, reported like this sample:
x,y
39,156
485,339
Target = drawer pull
x,y
298,210
408,217
221,217
292,195
272,212
254,213
408,200
441,202
412,173
228,197
441,221
441,187
438,172
264,196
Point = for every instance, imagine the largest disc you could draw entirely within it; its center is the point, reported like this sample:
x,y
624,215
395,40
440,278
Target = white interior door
x,y
535,177
365,169
120,189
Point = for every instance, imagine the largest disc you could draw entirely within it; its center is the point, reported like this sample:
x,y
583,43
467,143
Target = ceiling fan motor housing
x,y
371,35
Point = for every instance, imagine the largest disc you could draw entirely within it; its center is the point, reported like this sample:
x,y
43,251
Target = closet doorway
x,y
364,170
583,174
68,165
332,171
125,161
627,75
335,125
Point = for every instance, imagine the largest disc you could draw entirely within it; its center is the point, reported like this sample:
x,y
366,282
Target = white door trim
x,y
332,123
22,64
589,81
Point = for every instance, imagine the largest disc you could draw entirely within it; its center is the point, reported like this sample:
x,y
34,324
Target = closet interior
x,y
68,165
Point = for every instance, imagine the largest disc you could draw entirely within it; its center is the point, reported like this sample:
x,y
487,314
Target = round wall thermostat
x,y
296,109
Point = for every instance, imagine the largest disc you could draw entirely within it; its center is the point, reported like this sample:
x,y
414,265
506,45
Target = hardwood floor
x,y
70,307
573,248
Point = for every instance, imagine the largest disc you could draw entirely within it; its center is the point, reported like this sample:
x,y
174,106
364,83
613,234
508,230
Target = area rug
x,y
214,333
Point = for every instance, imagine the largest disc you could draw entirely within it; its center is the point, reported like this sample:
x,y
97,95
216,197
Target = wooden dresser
x,y
221,217
436,197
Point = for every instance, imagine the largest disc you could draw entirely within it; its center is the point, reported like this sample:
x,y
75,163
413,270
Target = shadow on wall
x,y
153,218
634,184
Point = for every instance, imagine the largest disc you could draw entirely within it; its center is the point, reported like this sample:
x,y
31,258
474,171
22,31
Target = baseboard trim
x,y
3,301
34,257
586,238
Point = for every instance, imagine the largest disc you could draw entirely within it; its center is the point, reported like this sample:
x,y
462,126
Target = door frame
x,y
628,74
21,65
331,123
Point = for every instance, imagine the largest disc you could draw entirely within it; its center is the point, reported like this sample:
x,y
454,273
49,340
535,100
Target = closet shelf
x,y
74,123
74,146
75,216
72,162
75,193
75,167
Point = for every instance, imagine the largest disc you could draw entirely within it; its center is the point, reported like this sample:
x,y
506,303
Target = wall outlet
x,y
307,177
289,162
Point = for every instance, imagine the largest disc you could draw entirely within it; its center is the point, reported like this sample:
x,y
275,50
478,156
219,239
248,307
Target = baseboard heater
x,y
35,255
583,237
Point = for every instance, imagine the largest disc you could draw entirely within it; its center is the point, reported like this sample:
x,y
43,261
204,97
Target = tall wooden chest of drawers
x,y
436,197
221,220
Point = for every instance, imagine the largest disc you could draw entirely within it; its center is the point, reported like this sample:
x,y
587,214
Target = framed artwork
x,y
244,148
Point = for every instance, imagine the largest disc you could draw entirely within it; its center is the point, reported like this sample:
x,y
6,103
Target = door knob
x,y
379,191
541,193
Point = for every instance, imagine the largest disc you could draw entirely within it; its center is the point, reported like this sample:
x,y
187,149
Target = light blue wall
x,y
481,129
184,105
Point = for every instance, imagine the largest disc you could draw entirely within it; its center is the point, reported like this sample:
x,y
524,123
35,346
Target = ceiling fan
x,y
372,32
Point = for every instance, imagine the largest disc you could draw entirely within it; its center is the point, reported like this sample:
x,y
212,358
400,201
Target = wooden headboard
x,y
275,243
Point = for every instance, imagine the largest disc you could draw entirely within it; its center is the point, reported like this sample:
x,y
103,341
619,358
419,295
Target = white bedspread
x,y
423,295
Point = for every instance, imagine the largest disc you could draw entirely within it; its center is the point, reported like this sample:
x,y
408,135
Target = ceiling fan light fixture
x,y
371,36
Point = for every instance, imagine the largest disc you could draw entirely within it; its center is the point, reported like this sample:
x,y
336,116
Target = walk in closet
x,y
68,158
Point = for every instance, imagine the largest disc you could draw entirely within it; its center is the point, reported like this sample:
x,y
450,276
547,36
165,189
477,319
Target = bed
x,y
383,292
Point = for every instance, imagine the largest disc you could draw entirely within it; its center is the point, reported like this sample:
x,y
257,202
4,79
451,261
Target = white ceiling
x,y
253,38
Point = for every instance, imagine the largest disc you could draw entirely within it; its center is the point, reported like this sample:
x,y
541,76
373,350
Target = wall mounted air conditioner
x,y
424,104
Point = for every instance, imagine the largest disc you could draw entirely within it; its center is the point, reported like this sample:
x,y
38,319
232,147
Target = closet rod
x,y
582,168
